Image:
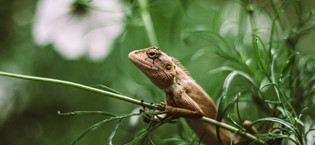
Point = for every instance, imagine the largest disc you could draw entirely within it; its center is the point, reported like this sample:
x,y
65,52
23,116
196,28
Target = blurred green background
x,y
29,109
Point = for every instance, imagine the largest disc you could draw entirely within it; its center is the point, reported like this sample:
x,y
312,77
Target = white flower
x,y
79,27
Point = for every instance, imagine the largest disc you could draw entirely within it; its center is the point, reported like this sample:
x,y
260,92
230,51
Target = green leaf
x,y
235,123
223,113
284,66
206,30
241,73
259,58
272,102
262,43
97,125
283,100
286,124
226,85
110,138
221,110
144,133
273,26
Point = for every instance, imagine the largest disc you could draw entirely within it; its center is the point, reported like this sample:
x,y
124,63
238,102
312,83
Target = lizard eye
x,y
153,53
168,67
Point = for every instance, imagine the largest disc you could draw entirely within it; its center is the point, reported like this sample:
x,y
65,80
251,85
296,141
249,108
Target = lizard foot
x,y
147,116
162,105
249,128
161,116
166,115
248,125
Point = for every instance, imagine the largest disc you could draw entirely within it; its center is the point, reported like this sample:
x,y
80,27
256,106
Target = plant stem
x,y
233,129
80,86
148,22
128,99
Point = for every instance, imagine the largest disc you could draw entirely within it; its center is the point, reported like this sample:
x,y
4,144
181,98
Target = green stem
x,y
87,113
128,99
80,86
97,125
148,22
233,129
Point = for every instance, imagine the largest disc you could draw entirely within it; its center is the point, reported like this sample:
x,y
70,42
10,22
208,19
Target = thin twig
x,y
80,86
128,99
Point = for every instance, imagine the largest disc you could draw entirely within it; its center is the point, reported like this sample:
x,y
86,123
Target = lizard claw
x,y
162,105
167,110
165,115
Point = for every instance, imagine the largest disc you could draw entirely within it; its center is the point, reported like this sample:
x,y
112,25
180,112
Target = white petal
x,y
74,36
70,42
100,41
47,19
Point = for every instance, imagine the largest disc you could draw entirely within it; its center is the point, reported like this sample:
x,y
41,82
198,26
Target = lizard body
x,y
184,97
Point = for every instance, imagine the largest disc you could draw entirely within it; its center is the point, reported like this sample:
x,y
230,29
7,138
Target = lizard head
x,y
156,65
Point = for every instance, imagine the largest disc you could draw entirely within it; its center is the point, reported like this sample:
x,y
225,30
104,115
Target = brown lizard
x,y
184,97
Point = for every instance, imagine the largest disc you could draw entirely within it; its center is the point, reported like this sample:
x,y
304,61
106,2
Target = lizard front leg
x,y
181,105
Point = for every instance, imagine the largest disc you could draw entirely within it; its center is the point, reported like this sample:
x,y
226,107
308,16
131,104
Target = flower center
x,y
80,7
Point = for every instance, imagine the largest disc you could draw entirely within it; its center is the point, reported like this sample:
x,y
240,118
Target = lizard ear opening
x,y
168,66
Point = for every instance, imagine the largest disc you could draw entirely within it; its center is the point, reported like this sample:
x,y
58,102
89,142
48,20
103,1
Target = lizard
x,y
184,97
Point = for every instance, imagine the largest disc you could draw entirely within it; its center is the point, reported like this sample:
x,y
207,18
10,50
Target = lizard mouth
x,y
141,62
